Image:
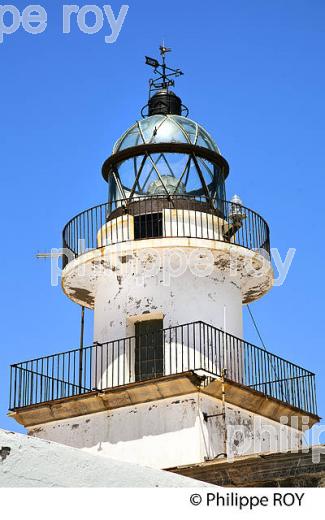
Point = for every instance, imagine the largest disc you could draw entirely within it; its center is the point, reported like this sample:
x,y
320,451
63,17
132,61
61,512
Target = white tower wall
x,y
172,432
184,298
165,284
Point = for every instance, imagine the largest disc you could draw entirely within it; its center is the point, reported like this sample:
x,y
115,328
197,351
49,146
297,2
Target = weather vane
x,y
164,73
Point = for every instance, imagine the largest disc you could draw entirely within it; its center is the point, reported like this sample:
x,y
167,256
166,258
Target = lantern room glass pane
x,y
131,138
165,129
168,173
149,125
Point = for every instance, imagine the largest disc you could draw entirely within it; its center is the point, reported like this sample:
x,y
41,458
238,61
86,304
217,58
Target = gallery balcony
x,y
177,216
148,365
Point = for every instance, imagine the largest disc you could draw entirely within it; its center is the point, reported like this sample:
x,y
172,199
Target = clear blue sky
x,y
254,77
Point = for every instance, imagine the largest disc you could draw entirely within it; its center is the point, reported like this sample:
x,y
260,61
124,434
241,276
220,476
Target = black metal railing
x,y
188,347
158,216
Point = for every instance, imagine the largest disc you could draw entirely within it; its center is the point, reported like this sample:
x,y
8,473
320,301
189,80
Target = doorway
x,y
149,349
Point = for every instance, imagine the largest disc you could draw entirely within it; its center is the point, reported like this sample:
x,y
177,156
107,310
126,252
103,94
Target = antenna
x,y
164,73
46,256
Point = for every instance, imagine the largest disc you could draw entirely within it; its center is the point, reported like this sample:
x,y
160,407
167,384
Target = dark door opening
x,y
149,349
149,225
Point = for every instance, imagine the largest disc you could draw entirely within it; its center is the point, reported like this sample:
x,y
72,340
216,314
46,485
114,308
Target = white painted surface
x,y
181,296
171,432
178,223
31,462
116,230
131,280
175,223
250,269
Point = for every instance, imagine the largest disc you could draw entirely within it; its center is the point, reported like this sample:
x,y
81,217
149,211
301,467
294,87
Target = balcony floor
x,y
157,389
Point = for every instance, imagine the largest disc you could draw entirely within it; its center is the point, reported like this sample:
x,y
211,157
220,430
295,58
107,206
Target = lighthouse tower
x,y
166,264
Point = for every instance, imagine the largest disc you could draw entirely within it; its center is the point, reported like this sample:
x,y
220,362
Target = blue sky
x,y
254,77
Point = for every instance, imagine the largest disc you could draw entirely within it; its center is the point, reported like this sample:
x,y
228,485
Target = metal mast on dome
x,y
164,73
161,99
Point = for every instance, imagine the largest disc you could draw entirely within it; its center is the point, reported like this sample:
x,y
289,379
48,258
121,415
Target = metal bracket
x,y
206,416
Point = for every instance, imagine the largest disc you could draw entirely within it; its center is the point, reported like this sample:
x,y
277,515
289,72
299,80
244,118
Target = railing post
x,y
81,346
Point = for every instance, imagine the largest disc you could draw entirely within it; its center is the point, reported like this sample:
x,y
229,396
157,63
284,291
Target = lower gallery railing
x,y
192,346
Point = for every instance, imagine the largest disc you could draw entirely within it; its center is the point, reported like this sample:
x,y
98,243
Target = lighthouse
x,y
166,264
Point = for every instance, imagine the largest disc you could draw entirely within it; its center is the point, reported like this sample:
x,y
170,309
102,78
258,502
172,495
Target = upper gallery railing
x,y
159,216
170,351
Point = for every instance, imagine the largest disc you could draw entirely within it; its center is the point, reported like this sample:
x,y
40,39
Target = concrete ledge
x,y
133,393
80,277
256,402
156,389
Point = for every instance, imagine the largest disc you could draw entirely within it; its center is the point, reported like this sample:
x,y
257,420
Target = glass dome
x,y
165,129
165,156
